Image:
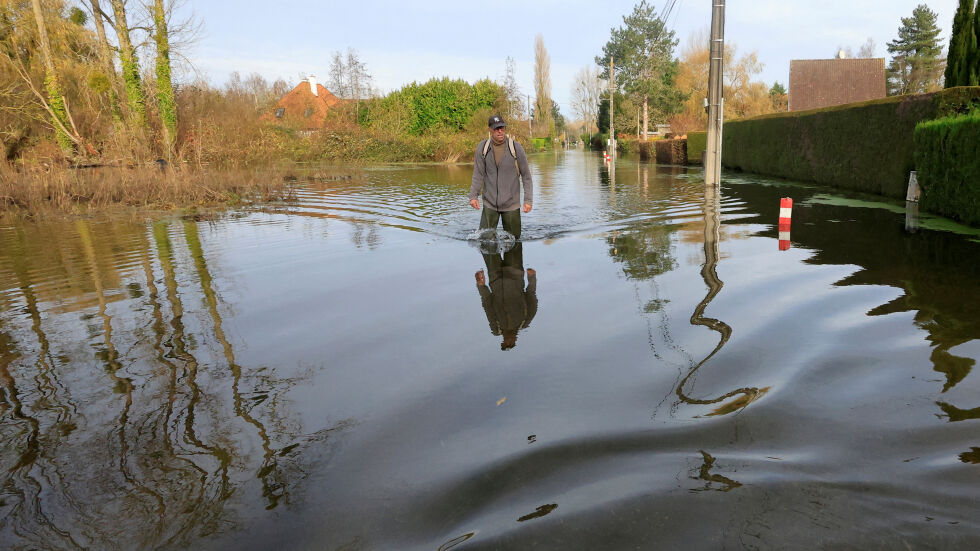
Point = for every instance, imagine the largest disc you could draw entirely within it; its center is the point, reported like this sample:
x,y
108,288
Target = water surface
x,y
645,369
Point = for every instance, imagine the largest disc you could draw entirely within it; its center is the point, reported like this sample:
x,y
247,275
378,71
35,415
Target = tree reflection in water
x,y
134,428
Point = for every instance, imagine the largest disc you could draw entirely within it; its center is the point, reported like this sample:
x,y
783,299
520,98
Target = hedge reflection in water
x,y
144,436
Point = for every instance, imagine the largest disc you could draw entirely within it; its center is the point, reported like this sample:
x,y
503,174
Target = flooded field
x,y
650,367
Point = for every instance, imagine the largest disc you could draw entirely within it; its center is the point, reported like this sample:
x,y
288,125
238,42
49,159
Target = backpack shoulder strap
x,y
486,146
510,143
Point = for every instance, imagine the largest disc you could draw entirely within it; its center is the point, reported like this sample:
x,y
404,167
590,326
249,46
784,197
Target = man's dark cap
x,y
496,122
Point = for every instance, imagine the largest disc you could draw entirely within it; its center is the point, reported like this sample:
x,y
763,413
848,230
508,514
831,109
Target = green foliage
x,y
134,88
865,146
557,117
962,44
59,113
777,89
625,113
599,141
99,82
973,60
643,54
77,16
166,102
540,144
948,166
626,145
916,63
696,144
437,105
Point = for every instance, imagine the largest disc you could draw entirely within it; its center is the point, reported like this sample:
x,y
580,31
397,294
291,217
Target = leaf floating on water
x,y
502,400
539,512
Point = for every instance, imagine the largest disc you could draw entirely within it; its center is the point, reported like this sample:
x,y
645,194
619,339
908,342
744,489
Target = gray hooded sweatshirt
x,y
501,186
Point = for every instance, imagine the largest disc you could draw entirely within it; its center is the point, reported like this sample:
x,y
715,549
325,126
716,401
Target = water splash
x,y
491,241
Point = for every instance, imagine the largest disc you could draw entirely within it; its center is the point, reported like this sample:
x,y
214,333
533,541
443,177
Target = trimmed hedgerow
x,y
947,161
866,146
671,152
696,144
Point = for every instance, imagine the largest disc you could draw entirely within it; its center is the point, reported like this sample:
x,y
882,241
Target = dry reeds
x,y
67,190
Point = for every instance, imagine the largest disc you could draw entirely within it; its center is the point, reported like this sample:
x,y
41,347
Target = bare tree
x,y
542,88
357,76
348,76
338,76
586,91
56,101
105,55
867,49
515,101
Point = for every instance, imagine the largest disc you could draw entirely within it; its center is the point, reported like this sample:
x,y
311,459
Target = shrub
x,y
866,146
439,104
697,142
599,142
671,152
947,161
540,144
625,145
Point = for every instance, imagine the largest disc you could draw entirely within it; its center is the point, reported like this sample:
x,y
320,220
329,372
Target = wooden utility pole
x,y
716,100
612,93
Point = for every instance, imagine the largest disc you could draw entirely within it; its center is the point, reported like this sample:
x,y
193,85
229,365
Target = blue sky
x,y
403,41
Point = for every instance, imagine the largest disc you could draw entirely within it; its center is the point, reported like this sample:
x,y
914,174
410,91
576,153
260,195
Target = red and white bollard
x,y
785,218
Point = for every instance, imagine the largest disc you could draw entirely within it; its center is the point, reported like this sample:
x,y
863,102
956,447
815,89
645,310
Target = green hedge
x,y
696,144
436,105
866,146
947,161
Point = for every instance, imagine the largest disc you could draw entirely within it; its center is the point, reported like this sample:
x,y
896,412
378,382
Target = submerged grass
x,y
64,190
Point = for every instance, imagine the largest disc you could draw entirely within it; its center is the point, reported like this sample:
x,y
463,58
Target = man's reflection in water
x,y
509,306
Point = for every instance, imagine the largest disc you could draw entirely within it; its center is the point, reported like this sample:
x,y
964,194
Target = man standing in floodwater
x,y
499,167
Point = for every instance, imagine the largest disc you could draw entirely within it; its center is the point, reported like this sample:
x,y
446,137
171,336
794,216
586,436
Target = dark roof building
x,y
815,83
305,106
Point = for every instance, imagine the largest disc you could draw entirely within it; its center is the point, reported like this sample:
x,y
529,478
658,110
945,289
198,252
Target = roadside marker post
x,y
912,194
785,218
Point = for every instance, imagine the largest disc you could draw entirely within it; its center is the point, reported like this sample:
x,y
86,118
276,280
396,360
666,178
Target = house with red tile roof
x,y
815,83
305,106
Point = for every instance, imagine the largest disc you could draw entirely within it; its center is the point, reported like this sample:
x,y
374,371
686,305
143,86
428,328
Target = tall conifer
x,y
959,54
972,69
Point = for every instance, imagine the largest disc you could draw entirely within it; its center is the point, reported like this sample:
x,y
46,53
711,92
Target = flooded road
x,y
645,369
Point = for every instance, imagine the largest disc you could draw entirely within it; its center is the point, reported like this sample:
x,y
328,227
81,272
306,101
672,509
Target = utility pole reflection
x,y
709,273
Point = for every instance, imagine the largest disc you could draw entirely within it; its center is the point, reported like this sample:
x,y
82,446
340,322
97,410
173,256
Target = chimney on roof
x,y
312,79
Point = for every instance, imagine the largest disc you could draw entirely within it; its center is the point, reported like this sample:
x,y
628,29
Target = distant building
x,y
815,83
305,106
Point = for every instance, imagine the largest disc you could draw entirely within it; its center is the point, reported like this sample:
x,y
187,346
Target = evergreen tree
x,y
643,52
972,69
916,65
960,52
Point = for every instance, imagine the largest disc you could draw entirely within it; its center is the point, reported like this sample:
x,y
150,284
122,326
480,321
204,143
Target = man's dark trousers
x,y
511,220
